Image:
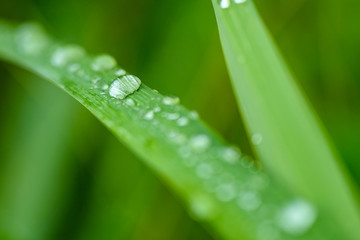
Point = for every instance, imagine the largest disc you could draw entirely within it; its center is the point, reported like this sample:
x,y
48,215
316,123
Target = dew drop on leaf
x,y
240,1
31,38
297,217
171,101
183,121
224,3
123,86
149,115
64,54
103,62
200,142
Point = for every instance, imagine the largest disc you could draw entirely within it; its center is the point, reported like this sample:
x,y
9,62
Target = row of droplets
x,y
32,40
227,3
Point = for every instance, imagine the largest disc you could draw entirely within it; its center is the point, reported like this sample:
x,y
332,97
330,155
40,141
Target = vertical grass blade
x,y
285,131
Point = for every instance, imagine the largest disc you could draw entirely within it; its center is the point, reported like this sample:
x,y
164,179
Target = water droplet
x,y
103,62
204,170
225,192
240,1
157,109
249,200
256,138
120,72
172,116
202,207
176,137
31,38
171,101
63,55
74,67
193,115
182,121
200,142
297,217
123,86
224,3
149,115
130,102
230,154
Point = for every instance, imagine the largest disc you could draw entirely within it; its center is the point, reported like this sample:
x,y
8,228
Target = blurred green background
x,y
63,176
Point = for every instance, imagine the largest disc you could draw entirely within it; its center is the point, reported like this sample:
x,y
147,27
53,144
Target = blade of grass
x,y
208,174
286,133
34,178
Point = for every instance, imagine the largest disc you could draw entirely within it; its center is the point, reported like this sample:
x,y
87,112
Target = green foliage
x,y
209,175
286,133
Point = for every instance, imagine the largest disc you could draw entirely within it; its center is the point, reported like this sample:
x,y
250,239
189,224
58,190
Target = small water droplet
x,y
256,139
157,109
176,137
249,200
171,101
63,55
297,217
171,116
202,207
225,192
124,86
31,38
149,115
193,115
183,121
130,102
74,67
224,3
240,1
200,142
120,72
230,154
103,63
204,170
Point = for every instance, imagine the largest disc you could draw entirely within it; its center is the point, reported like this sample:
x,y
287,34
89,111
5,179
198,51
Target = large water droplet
x,y
200,142
249,200
31,38
123,86
297,217
224,3
103,63
63,55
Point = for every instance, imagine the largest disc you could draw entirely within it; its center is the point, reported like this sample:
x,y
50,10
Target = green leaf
x,y
286,133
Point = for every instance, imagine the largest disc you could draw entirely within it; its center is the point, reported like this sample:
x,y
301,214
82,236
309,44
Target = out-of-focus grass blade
x,y
221,188
285,131
35,177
